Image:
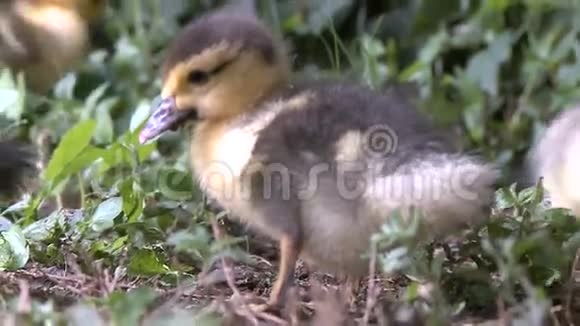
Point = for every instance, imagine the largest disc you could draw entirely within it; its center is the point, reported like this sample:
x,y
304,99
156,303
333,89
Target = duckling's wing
x,y
334,112
384,144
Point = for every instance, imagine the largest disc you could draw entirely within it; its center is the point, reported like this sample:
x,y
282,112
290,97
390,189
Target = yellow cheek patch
x,y
176,79
186,101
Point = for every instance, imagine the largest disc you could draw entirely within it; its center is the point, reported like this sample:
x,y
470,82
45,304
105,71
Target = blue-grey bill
x,y
165,116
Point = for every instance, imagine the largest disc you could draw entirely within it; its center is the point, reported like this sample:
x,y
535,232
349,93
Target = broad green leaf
x,y
505,198
322,13
431,50
104,131
140,115
89,155
64,88
194,242
527,195
19,206
110,248
293,23
72,145
14,251
395,260
5,224
126,51
146,263
483,68
572,244
133,203
92,100
105,214
43,229
372,46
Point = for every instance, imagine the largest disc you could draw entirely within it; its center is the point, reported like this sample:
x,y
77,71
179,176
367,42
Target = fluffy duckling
x,y
16,166
45,38
317,166
554,157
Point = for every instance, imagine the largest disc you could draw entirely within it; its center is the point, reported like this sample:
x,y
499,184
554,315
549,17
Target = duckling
x,y
45,38
318,166
554,157
16,166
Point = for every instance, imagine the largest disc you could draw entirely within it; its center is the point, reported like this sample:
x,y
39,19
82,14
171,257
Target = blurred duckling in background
x,y
44,39
17,168
555,158
318,166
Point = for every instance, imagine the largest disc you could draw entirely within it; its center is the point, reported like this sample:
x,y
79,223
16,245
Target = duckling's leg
x,y
352,288
279,217
289,252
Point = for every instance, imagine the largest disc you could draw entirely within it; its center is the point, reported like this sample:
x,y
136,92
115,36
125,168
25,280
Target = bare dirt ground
x,y
318,299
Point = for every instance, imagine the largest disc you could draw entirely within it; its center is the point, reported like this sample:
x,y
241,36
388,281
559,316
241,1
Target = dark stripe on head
x,y
213,29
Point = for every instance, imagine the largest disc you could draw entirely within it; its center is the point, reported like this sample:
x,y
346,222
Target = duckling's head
x,y
218,67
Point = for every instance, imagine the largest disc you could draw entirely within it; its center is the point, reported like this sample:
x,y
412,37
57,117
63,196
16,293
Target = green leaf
x,y
483,68
396,260
146,263
127,308
412,291
110,248
176,184
195,242
133,199
527,195
70,147
324,12
43,229
92,100
14,252
5,224
431,50
372,46
84,159
505,198
104,132
140,115
572,244
64,88
105,214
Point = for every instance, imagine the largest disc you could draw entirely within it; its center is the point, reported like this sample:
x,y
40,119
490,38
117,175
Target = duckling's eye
x,y
198,77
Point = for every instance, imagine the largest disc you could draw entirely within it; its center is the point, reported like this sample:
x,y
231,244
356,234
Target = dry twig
x,y
371,290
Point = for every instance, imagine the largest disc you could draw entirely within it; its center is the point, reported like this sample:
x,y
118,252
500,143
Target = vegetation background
x,y
492,71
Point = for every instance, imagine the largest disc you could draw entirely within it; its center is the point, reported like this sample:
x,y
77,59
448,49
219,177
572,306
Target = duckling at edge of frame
x,y
17,168
555,158
44,39
316,165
